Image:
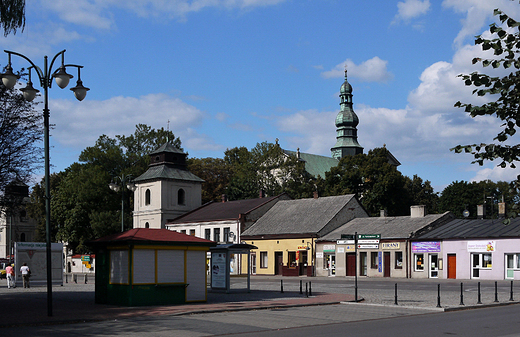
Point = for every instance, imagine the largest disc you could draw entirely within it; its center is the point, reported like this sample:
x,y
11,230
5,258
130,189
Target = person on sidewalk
x,y
10,277
26,273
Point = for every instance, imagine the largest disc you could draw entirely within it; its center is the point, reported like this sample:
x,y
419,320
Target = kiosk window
x,y
419,262
398,260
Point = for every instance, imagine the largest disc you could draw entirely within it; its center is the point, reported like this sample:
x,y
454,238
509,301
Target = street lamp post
x,y
119,184
62,80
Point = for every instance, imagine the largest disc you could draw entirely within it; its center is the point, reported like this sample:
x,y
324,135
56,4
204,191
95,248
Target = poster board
x,y
35,255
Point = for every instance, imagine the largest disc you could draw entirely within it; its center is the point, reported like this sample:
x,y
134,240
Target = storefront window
x,y
517,261
419,262
398,260
292,259
486,260
373,260
263,259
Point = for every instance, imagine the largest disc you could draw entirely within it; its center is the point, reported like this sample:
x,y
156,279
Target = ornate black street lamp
x,y
119,184
62,80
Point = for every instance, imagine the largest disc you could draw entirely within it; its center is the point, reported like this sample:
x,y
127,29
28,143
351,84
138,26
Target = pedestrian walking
x,y
10,277
26,273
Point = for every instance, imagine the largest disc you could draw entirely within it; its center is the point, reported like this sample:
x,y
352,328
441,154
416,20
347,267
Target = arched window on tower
x,y
181,197
147,225
147,197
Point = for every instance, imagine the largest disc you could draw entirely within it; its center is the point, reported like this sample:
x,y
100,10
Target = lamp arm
x,y
39,71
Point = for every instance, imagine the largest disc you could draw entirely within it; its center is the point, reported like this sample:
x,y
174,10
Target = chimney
x,y
418,211
383,213
501,210
224,198
481,211
316,195
261,194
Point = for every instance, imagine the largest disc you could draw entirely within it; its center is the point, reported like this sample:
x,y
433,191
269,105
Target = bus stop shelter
x,y
221,262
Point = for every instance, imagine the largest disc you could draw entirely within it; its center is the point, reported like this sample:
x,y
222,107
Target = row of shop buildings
x,y
315,237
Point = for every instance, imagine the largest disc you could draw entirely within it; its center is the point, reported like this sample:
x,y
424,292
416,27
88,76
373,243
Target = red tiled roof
x,y
153,235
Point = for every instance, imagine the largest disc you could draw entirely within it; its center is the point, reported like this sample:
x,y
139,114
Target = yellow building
x,y
286,234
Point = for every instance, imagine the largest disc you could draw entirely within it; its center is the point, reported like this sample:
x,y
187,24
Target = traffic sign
x,y
368,241
369,236
368,246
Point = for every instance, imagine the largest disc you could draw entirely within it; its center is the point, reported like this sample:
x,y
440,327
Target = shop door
x,y
351,264
434,266
510,266
452,266
331,264
303,262
363,264
278,259
386,264
253,263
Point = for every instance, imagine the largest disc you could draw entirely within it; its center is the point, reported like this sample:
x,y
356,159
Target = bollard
x,y
66,278
86,278
306,292
461,294
511,297
301,289
281,286
310,288
75,278
479,301
395,294
439,296
496,292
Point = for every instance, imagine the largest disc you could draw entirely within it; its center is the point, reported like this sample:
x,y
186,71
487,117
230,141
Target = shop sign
x,y
391,245
341,249
350,248
329,248
85,258
482,246
345,242
319,255
426,247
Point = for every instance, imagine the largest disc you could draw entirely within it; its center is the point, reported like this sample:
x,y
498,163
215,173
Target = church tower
x,y
166,190
346,125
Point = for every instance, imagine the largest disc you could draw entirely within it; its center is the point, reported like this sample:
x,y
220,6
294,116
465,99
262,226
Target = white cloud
x,y
373,70
495,173
78,125
410,9
99,13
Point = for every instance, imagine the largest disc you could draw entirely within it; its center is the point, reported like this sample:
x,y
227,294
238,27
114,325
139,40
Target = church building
x,y
166,190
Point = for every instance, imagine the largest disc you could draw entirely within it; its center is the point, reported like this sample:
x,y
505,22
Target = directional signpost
x,y
368,241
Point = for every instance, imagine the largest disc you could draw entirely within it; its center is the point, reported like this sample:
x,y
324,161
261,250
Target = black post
x,y
496,292
395,294
86,278
511,297
438,296
461,294
306,291
310,288
66,278
356,266
281,286
301,289
479,301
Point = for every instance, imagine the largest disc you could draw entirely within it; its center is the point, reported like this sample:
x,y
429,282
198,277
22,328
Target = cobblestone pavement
x,y
75,302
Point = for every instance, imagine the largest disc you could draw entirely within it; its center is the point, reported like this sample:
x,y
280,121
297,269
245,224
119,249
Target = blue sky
x,y
229,73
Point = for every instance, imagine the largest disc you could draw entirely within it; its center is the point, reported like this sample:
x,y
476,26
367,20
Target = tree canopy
x,y
21,130
82,206
12,15
505,104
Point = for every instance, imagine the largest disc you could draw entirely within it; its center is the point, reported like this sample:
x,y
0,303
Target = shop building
x,y
385,249
484,249
286,234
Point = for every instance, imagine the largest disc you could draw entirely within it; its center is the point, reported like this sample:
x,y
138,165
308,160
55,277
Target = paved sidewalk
x,y
75,303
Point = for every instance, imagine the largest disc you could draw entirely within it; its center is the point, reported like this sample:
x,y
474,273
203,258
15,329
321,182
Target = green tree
x,y
21,130
12,15
503,91
422,193
83,207
216,175
377,183
266,167
462,195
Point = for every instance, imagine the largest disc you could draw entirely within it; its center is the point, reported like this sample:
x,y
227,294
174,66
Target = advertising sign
x,y
426,247
329,248
218,270
482,246
391,245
